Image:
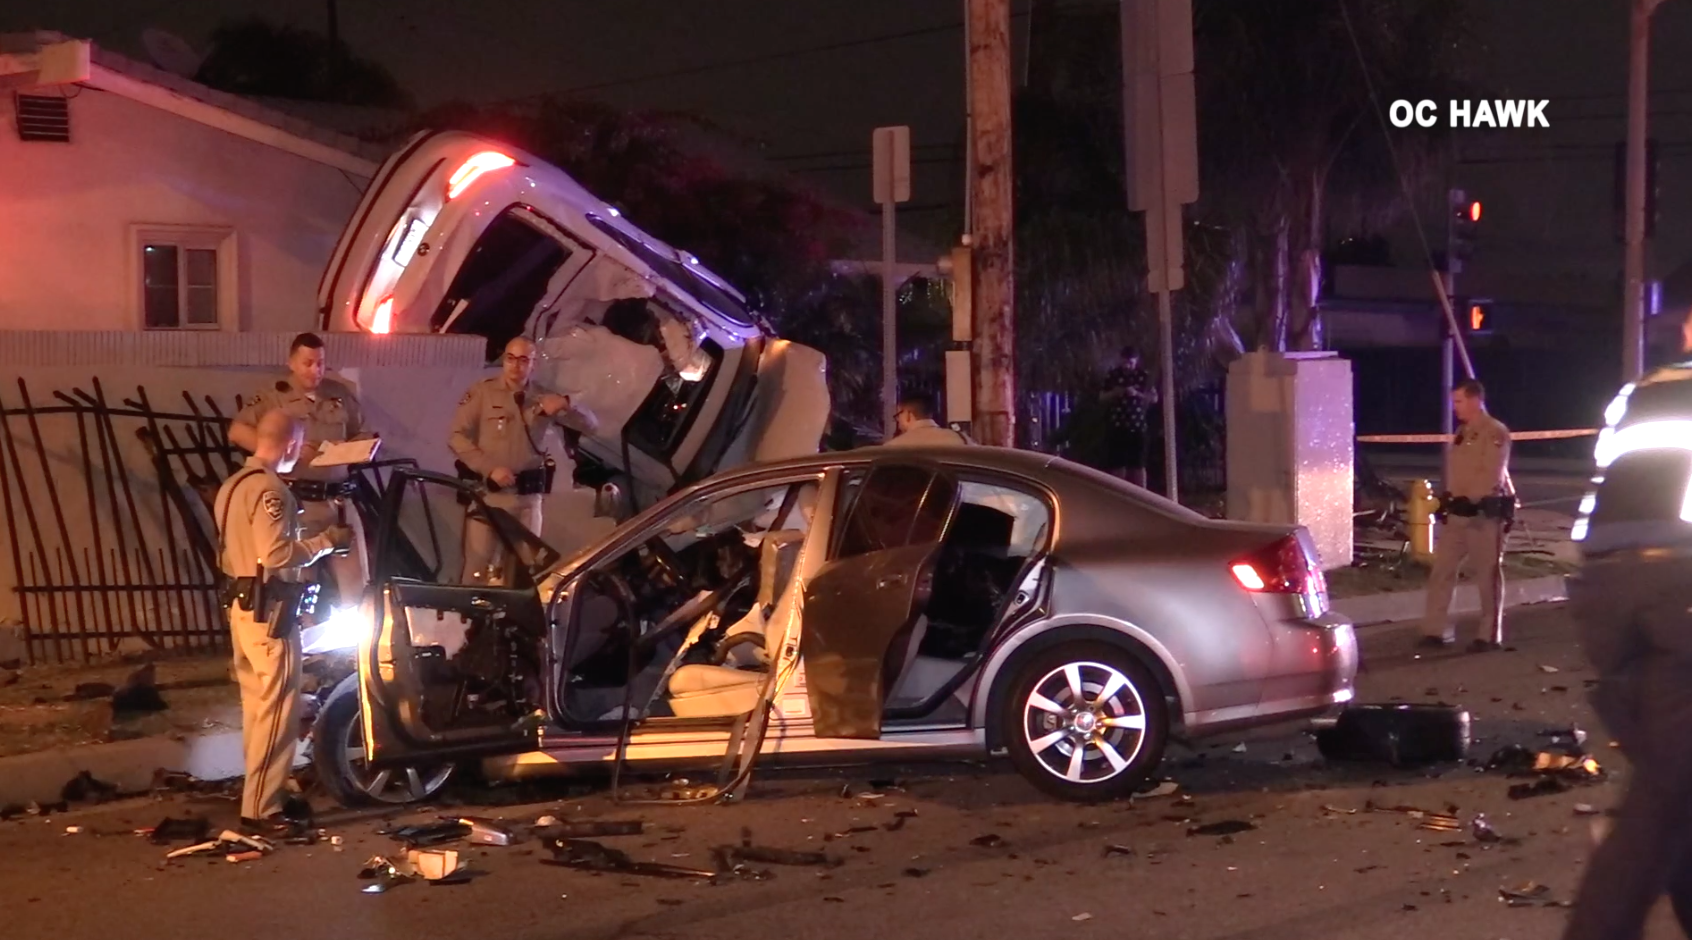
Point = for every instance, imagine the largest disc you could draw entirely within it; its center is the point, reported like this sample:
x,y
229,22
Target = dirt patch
x,y
1378,578
39,709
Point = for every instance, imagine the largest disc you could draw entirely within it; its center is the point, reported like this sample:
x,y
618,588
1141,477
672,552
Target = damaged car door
x,y
454,665
861,609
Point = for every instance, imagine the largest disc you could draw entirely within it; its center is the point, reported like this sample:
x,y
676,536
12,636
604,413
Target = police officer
x,y
917,428
1632,601
331,414
264,556
500,435
1477,506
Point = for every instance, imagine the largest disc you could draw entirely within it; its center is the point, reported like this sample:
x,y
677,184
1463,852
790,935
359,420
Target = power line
x,y
777,56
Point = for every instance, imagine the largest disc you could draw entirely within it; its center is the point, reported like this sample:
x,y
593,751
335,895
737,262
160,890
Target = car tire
x,y
1121,734
337,755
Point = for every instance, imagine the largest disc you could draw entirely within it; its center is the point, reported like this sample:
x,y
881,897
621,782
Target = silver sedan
x,y
844,607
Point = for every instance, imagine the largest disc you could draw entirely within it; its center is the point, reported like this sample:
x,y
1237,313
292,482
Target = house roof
x,y
247,118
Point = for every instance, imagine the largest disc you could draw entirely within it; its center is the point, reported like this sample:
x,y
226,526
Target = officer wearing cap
x,y
500,435
264,556
330,414
1632,601
1477,507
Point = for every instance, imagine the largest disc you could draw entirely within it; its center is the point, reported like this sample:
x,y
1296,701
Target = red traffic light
x,y
1477,315
1474,212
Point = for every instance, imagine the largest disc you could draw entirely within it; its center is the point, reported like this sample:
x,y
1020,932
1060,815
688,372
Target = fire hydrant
x,y
1423,503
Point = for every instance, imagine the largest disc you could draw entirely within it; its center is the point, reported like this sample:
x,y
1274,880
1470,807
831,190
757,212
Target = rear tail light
x,y
1280,568
473,168
383,319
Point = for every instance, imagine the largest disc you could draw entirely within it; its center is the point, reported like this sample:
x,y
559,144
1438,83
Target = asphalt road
x,y
1316,865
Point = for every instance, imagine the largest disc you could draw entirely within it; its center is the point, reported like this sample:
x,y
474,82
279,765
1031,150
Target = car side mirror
x,y
608,501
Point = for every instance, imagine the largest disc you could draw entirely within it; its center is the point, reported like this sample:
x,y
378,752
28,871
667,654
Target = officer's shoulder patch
x,y
273,504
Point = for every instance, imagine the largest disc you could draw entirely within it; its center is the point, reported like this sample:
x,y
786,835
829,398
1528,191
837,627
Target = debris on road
x,y
899,820
192,829
1079,918
1401,735
84,788
228,842
1483,831
991,840
88,691
1530,895
1585,809
248,856
592,856
433,864
1119,851
429,834
549,827
1226,827
489,832
1548,669
386,874
1164,788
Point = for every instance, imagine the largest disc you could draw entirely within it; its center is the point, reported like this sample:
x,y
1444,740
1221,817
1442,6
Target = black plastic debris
x,y
1544,786
191,829
84,788
1530,895
490,832
592,856
592,829
848,833
138,694
916,873
1119,851
1226,827
423,836
1402,735
737,855
11,809
899,820
991,840
88,691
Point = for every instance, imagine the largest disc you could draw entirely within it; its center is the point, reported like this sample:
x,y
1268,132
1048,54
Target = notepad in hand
x,y
346,452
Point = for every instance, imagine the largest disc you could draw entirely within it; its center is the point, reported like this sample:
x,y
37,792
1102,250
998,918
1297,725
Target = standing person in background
x,y
1477,506
500,435
330,413
917,427
1129,394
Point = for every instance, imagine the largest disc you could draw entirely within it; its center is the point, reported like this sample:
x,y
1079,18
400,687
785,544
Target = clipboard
x,y
347,452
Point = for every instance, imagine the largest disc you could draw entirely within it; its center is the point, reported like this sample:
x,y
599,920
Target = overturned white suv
x,y
460,234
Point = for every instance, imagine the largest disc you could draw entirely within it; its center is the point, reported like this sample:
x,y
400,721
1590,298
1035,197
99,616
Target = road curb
x,y
40,777
1398,606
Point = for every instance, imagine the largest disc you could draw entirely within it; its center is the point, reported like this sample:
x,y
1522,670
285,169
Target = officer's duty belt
x,y
317,491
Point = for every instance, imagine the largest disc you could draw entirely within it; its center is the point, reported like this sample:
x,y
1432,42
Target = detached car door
x,y
863,605
452,667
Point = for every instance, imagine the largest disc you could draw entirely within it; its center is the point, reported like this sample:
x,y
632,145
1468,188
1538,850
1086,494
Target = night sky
x,y
761,68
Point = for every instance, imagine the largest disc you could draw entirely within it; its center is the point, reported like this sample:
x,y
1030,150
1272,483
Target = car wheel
x,y
1084,722
337,752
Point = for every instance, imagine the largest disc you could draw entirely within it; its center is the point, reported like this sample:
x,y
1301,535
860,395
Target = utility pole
x,y
1638,98
892,185
987,26
1448,327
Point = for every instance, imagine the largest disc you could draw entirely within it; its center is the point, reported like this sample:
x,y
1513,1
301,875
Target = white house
x,y
135,199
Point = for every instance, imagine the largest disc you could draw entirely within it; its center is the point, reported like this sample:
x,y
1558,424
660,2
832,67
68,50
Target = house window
x,y
185,278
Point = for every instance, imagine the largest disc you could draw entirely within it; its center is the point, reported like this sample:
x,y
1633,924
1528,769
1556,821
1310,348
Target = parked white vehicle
x,y
461,234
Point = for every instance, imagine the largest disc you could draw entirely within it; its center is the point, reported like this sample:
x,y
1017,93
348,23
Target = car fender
x,y
1077,627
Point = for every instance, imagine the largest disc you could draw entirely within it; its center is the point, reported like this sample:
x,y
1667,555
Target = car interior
x,y
685,624
680,625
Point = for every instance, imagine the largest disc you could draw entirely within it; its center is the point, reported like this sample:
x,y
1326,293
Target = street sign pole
x,y
892,184
1162,151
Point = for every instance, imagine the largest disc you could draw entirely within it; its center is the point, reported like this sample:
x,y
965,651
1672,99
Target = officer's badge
x,y
273,505
467,396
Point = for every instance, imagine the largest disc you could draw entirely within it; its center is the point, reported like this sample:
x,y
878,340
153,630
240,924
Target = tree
x,y
263,59
1291,141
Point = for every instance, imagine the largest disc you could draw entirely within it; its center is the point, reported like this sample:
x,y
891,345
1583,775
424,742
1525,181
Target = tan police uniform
x,y
258,524
330,414
496,427
928,433
1476,468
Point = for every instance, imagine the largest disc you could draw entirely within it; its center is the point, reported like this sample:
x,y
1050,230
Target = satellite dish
x,y
171,52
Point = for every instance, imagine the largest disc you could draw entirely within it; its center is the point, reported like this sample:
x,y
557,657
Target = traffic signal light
x,y
1465,223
